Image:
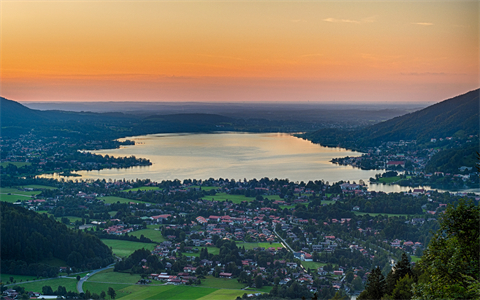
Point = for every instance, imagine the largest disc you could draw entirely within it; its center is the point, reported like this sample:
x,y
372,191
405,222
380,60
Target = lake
x,y
234,156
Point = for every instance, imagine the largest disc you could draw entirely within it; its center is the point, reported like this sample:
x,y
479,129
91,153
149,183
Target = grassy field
x,y
222,283
16,194
6,277
328,202
98,287
143,188
17,164
113,199
125,248
37,186
223,294
151,233
415,258
116,277
164,292
225,196
256,245
312,264
388,179
69,283
237,198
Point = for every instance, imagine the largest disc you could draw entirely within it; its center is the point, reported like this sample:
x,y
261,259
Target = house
x,y
225,275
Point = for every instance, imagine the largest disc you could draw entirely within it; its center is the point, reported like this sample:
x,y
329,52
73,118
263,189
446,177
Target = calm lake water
x,y
234,156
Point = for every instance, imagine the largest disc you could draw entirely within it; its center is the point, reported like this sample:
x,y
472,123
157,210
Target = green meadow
x,y
223,294
16,194
69,283
125,248
98,287
113,199
143,188
222,283
164,292
388,179
6,277
225,197
117,277
17,164
312,264
237,198
265,245
151,233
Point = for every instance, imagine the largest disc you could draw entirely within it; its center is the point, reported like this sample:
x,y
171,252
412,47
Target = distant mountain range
x,y
455,116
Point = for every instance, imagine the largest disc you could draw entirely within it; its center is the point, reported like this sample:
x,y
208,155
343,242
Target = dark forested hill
x,y
28,238
458,115
455,116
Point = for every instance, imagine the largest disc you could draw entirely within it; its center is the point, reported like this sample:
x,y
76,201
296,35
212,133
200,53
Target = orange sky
x,y
238,51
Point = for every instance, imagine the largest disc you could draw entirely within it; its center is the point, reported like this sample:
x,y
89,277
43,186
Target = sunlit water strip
x,y
236,156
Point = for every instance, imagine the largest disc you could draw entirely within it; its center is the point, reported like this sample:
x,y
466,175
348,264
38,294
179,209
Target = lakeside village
x,y
315,236
409,164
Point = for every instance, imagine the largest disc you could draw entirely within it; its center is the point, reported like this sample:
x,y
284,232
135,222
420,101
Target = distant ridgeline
x,y
28,238
455,116
18,119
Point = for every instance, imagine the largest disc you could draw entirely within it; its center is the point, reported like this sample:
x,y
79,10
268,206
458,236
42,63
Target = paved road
x,y
83,279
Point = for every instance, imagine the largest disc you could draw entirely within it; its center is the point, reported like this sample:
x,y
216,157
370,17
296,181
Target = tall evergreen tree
x,y
375,287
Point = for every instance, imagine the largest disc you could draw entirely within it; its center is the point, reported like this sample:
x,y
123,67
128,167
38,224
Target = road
x,y
283,241
83,279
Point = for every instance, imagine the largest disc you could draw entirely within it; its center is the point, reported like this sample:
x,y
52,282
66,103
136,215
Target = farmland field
x,y
164,292
222,283
225,196
116,277
151,233
98,287
265,245
223,294
36,186
113,199
69,283
143,188
17,164
125,248
312,264
6,277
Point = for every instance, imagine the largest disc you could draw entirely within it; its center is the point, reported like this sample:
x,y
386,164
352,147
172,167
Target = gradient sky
x,y
238,51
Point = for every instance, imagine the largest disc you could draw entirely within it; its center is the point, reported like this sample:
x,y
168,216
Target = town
x,y
267,233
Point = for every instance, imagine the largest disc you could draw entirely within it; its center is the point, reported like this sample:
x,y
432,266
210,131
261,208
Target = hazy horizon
x,y
234,51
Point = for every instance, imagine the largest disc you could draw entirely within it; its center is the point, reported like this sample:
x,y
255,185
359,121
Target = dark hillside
x,y
29,238
458,116
12,112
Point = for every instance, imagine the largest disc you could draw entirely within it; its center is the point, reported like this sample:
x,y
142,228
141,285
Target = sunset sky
x,y
388,51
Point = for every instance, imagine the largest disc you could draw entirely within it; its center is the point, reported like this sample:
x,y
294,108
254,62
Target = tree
x,y
375,287
111,292
400,270
258,281
403,288
47,290
451,262
103,295
78,277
